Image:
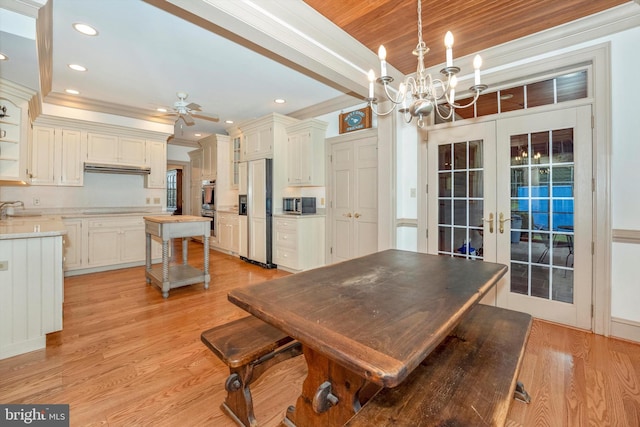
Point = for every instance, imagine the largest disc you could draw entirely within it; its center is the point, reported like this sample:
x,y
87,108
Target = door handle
x,y
490,221
357,215
502,221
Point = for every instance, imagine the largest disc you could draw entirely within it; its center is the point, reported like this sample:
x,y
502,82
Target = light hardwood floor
x,y
128,357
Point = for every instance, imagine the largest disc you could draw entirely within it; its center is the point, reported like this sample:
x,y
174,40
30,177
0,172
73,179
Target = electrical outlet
x,y
321,201
36,201
156,200
4,265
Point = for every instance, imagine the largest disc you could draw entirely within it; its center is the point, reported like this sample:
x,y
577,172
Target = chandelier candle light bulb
x,y
382,55
477,63
448,43
372,79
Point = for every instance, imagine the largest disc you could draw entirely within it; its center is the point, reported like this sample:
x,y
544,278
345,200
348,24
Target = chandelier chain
x,y
419,22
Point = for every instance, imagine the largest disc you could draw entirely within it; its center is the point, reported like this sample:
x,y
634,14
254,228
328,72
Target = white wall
x,y
625,159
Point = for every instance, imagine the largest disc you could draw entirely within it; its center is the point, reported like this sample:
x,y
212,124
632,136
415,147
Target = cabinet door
x,y
259,143
243,238
72,244
132,241
132,151
257,239
71,165
102,148
305,151
42,156
157,155
103,246
293,159
209,159
242,178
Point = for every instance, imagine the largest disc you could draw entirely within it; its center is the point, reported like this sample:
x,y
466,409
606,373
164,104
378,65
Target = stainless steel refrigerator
x,y
259,212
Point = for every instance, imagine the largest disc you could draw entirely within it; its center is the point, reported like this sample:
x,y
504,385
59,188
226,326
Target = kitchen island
x,y
31,282
170,227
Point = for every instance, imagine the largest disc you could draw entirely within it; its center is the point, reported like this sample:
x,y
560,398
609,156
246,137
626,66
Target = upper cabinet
x,y
116,149
305,153
157,161
261,135
14,132
209,157
237,156
56,157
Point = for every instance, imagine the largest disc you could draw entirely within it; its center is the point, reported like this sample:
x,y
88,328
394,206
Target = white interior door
x,y
354,198
518,191
545,187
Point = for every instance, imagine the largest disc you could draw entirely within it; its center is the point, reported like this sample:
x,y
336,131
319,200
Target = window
x,y
172,190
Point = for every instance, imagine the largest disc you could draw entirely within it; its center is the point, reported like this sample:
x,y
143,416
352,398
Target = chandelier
x,y
419,96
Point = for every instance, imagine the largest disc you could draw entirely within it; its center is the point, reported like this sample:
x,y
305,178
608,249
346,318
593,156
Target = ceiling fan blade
x,y
187,119
193,106
206,116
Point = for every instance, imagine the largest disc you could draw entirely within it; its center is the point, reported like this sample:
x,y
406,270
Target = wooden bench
x,y
248,346
468,380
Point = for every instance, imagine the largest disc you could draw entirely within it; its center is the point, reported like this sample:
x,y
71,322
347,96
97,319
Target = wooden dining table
x,y
366,323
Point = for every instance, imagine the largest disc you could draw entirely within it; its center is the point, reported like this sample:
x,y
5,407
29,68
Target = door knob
x,y
502,220
490,221
357,215
348,214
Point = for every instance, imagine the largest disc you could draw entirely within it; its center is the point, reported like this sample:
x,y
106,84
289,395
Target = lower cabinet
x,y
228,232
299,242
102,243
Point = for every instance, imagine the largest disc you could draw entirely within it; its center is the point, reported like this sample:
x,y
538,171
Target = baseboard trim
x,y
625,329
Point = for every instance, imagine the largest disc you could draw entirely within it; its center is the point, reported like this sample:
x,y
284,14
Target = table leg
x,y
330,396
165,269
206,261
147,262
185,246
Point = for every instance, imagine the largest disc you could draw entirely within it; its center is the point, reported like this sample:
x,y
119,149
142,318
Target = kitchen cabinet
x,y
209,171
116,149
237,156
261,136
299,242
242,177
306,153
157,161
72,244
243,237
195,157
228,232
14,131
56,157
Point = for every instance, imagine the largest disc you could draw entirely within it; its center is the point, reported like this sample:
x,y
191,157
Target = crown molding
x,y
330,106
182,142
106,107
24,7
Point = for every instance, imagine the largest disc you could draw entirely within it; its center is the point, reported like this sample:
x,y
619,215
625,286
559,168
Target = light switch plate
x,y
4,265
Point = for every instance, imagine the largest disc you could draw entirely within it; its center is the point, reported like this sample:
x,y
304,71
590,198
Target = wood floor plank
x,y
128,357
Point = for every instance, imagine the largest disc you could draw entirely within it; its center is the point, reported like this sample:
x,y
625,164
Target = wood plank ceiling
x,y
475,24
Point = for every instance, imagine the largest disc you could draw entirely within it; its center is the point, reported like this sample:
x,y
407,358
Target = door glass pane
x,y
460,199
542,191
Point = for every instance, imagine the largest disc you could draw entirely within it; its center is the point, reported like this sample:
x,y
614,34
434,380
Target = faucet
x,y
5,205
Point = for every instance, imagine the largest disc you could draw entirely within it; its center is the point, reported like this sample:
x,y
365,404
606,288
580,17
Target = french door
x,y
518,191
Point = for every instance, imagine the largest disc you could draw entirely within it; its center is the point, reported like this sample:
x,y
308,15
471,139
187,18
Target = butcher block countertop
x,y
176,218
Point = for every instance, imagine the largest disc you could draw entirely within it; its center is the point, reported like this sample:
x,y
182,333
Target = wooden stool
x,y
248,346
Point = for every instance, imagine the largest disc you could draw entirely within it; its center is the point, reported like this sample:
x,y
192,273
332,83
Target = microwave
x,y
299,205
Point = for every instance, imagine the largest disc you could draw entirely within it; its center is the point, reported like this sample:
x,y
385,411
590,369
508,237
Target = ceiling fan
x,y
187,111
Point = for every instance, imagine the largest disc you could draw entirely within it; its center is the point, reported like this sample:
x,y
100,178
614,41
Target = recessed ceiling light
x,y
279,101
162,110
77,67
197,134
3,57
229,122
85,29
72,91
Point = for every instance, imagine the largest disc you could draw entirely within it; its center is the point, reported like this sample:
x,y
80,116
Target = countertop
x,y
25,227
166,219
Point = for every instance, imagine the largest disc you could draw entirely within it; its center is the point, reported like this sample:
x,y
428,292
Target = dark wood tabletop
x,y
379,315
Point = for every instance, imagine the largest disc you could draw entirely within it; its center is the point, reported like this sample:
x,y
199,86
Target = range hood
x,y
121,169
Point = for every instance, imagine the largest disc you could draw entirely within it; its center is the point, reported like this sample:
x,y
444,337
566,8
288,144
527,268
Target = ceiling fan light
x,y
279,101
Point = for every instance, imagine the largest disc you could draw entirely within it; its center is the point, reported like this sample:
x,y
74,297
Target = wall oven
x,y
209,203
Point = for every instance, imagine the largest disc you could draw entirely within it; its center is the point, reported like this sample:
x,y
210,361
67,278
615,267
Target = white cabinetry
x,y
157,161
195,157
262,135
115,149
56,157
31,293
14,131
299,242
72,243
209,145
228,232
237,156
116,241
305,153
